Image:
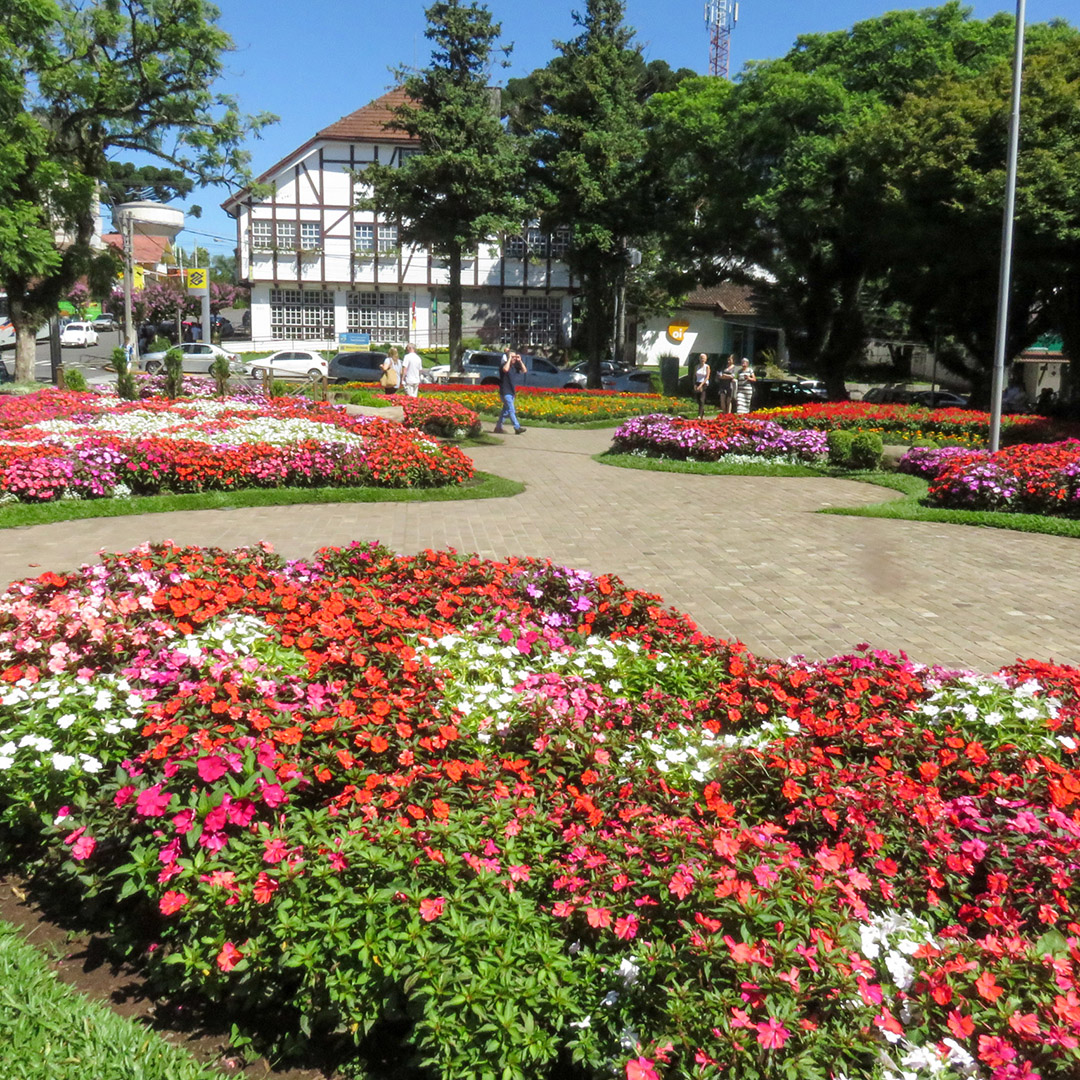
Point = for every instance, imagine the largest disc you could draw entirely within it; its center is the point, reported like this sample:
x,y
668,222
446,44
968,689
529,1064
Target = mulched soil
x,y
81,960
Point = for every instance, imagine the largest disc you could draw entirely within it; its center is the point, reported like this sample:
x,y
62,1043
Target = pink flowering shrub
x,y
514,818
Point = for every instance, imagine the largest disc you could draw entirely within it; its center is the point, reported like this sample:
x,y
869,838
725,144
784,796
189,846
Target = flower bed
x,y
722,437
516,819
908,423
434,416
556,406
62,445
1042,479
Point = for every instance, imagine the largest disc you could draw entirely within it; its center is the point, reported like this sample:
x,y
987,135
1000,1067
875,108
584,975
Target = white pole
x,y
129,274
1005,279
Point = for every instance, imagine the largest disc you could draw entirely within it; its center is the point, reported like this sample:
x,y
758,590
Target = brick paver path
x,y
746,557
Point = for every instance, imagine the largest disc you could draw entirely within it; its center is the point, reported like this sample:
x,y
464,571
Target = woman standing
x,y
701,383
745,392
391,372
726,384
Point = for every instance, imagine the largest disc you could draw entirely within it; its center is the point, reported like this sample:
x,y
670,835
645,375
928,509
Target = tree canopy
x,y
78,81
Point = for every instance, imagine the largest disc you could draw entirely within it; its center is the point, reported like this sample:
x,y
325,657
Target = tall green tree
x,y
785,180
588,145
464,185
78,81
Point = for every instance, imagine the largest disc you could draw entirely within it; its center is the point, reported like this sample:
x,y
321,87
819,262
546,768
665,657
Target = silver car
x,y
198,356
539,371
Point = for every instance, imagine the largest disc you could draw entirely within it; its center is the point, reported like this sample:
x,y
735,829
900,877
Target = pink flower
x,y
273,795
641,1069
229,956
152,802
430,909
276,850
171,902
626,927
772,1034
211,768
337,860
83,848
519,873
598,916
123,796
183,821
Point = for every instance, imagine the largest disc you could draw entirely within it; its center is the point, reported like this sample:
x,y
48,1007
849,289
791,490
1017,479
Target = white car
x,y
198,356
290,363
78,334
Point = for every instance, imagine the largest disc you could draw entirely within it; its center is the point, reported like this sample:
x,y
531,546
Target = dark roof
x,y
372,123
729,297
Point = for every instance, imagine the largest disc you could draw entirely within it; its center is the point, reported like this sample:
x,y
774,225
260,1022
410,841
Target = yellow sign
x,y
676,331
197,280
138,277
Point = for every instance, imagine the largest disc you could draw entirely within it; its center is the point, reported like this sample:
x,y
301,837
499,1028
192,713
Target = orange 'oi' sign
x,y
677,330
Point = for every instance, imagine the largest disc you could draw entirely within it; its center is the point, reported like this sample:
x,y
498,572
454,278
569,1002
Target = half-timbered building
x,y
319,267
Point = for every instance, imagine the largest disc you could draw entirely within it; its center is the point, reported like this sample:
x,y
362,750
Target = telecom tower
x,y
720,17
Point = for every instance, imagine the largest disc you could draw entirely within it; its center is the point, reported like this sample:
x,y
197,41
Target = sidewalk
x,y
746,557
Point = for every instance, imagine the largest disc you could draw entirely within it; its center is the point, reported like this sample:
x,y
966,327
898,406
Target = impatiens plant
x,y
452,817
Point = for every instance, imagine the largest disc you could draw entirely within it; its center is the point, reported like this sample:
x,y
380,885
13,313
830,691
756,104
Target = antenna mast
x,y
720,18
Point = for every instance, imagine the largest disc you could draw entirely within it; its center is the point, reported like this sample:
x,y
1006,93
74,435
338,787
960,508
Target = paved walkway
x,y
746,557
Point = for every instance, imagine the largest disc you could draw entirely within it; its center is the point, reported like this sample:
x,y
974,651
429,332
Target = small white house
x,y
719,320
319,267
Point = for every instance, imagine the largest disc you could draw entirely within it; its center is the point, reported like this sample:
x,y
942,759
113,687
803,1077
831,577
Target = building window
x,y
515,247
310,235
537,241
261,234
404,155
388,238
364,237
531,320
301,315
560,242
538,244
378,313
286,235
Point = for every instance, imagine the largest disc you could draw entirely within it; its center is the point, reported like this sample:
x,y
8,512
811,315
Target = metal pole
x,y
1005,280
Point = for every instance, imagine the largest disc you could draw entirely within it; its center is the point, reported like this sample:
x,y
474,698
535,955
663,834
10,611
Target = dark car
x,y
778,393
539,371
939,399
349,367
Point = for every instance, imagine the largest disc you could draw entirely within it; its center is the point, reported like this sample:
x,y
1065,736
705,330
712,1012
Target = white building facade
x,y
319,267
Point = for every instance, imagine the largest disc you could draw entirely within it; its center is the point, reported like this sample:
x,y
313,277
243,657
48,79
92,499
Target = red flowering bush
x,y
435,416
460,817
60,445
905,423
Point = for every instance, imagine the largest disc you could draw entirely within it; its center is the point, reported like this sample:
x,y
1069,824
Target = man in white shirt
x,y
411,367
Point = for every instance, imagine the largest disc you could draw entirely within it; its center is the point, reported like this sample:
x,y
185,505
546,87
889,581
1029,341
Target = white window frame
x,y
262,235
310,236
381,314
364,238
286,235
301,315
388,238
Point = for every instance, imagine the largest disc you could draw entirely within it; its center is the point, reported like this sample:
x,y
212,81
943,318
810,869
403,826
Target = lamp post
x,y
1005,277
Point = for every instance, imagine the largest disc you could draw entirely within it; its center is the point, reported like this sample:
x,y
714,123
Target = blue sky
x,y
313,62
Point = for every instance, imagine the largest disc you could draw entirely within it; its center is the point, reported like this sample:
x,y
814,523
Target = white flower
x,y
6,762
62,762
89,763
901,971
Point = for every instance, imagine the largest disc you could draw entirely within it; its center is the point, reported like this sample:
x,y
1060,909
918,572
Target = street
x,y
90,361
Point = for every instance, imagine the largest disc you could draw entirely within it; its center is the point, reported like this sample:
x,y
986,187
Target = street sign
x,y
198,281
354,342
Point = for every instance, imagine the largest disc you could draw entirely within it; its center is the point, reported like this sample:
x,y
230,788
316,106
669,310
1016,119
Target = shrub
x,y
125,380
174,373
866,448
220,372
74,380
159,344
280,388
840,448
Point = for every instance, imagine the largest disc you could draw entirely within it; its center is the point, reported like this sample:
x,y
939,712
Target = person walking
x,y
411,367
725,382
512,368
744,395
701,383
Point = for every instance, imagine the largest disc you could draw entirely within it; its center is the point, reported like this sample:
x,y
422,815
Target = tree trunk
x,y
454,306
25,339
597,321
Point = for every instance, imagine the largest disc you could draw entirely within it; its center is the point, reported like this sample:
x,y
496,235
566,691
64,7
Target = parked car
x,y
198,356
608,369
79,334
889,395
5,375
105,323
815,386
939,399
539,371
218,325
777,393
349,367
286,363
632,382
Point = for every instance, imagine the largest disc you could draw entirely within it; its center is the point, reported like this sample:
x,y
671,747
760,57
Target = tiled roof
x,y
372,123
731,298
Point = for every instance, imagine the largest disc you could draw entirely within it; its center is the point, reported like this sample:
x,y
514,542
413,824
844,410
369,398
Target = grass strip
x,y
482,486
48,1031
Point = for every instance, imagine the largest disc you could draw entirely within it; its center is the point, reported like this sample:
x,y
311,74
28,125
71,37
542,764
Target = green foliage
x,y
159,344
866,448
220,372
840,447
74,380
75,85
174,372
125,380
280,388
464,185
49,1032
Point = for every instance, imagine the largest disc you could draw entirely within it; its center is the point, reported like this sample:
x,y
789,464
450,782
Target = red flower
x,y
626,927
961,1026
641,1069
772,1034
598,916
171,902
431,909
211,769
229,956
